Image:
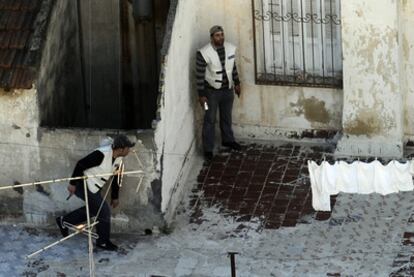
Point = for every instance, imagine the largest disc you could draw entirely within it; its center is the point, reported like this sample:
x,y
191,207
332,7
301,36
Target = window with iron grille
x,y
298,42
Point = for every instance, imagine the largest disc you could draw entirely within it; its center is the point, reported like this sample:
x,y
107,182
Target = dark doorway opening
x,y
143,28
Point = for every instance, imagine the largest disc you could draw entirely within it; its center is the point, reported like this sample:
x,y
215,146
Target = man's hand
x,y
202,100
71,189
237,90
114,203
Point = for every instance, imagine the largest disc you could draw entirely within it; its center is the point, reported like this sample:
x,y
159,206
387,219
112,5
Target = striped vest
x,y
106,166
214,70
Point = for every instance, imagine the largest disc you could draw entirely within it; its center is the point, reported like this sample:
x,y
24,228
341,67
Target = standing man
x,y
105,159
217,77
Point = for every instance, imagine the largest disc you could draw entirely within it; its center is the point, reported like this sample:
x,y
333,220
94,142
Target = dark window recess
x,y
110,70
298,42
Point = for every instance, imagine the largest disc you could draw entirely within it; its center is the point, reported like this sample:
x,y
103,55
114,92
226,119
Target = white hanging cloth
x,y
357,177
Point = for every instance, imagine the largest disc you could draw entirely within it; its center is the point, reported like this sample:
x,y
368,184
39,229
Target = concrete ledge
x,y
272,133
363,146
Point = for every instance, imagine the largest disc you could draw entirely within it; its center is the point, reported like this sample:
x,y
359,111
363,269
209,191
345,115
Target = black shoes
x,y
63,230
232,145
208,156
106,245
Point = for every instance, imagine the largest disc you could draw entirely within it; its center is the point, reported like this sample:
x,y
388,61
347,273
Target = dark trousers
x,y
222,100
103,228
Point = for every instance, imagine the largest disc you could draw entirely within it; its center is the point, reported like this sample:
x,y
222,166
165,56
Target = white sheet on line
x,y
357,177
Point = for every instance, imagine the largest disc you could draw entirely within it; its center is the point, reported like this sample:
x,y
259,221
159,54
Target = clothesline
x,y
69,179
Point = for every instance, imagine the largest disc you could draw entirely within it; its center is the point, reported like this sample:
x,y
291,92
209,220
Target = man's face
x,y
124,151
218,38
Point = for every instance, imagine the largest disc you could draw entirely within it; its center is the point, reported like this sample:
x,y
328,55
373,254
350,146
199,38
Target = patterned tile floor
x,y
270,183
266,182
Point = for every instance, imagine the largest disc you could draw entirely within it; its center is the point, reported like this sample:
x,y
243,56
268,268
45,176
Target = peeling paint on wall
x,y
360,13
370,41
372,91
247,60
407,65
368,123
313,109
404,2
406,47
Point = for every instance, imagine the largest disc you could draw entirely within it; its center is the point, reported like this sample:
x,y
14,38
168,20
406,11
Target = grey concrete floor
x,y
276,233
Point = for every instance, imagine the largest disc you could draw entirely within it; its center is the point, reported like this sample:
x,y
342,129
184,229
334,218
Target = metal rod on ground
x,y
91,261
68,179
59,241
232,262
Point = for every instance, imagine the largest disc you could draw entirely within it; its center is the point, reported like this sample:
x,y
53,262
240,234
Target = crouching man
x,y
103,160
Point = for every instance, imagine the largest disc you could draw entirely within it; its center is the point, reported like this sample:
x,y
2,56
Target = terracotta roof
x,y
17,27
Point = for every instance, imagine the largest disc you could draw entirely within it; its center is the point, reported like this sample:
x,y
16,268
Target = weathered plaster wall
x,y
58,154
372,113
175,131
18,147
407,64
30,153
265,112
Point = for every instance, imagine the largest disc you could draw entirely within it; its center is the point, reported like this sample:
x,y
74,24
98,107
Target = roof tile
x,y
26,80
12,5
4,18
13,78
5,38
17,19
3,4
19,40
29,19
26,4
5,79
7,58
19,59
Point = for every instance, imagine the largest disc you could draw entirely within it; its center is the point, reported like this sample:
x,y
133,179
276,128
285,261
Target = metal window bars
x,y
298,42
